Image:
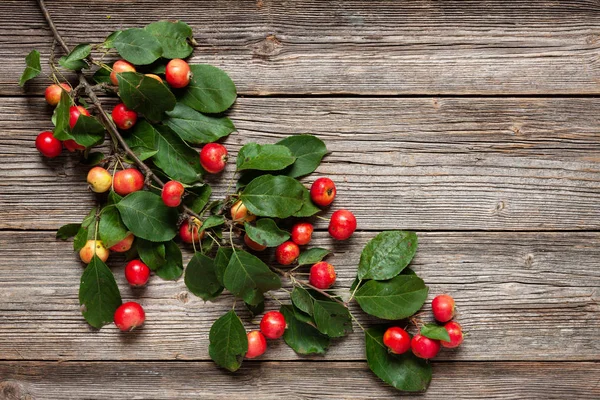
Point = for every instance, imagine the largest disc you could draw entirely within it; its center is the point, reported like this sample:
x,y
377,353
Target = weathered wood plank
x,y
375,47
444,163
521,296
276,380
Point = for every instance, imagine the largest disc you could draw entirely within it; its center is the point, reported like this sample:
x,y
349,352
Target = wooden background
x,y
475,123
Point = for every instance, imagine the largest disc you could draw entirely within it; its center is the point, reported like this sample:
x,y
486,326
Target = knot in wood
x,y
270,46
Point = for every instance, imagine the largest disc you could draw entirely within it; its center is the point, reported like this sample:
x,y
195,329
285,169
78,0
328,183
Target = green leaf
x,y
266,232
308,150
312,256
99,295
211,222
386,255
222,261
248,277
405,372
197,197
109,41
145,214
273,196
172,269
88,131
195,127
265,157
201,277
257,309
61,116
308,208
113,198
145,95
302,299
397,298
332,318
210,90
102,75
83,233
93,158
75,59
142,140
111,229
228,342
33,67
152,254
178,160
67,231
433,331
173,38
302,337
137,46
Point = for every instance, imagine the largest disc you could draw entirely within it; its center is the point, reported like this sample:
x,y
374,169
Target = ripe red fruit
x,y
456,335
342,224
423,347
322,192
129,316
124,117
72,145
287,252
188,235
443,308
74,113
322,275
171,193
128,181
302,233
272,325
124,245
137,273
397,340
213,157
240,214
48,145
252,244
118,67
257,344
53,93
177,73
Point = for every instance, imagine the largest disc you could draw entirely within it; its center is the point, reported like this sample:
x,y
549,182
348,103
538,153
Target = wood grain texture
x,y
443,163
277,380
323,47
521,296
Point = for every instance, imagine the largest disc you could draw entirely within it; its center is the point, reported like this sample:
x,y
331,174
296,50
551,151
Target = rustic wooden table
x,y
475,123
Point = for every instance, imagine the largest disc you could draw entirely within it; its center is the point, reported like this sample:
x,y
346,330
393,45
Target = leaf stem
x,y
324,293
354,291
357,323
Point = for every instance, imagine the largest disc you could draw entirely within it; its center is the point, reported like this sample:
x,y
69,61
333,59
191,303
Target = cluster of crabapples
x,y
177,75
399,341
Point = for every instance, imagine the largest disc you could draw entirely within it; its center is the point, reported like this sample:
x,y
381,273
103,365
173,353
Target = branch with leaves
x,y
169,122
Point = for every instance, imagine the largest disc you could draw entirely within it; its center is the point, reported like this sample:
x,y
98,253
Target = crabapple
x,y
189,235
178,73
99,179
257,344
128,181
92,247
137,273
124,245
72,145
322,275
171,193
74,113
48,145
342,224
123,117
302,233
153,76
272,325
322,192
213,157
118,67
397,340
423,347
287,252
443,307
240,214
456,335
129,316
53,93
252,244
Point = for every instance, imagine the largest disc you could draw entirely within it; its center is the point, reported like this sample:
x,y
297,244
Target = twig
x,y
324,293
